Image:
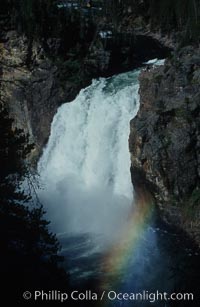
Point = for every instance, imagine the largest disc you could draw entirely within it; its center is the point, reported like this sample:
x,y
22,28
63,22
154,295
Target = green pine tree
x,y
29,252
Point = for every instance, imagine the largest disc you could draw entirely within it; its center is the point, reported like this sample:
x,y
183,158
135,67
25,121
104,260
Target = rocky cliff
x,y
165,139
32,85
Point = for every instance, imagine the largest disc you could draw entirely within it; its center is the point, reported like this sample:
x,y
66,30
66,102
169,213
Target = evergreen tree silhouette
x,y
29,252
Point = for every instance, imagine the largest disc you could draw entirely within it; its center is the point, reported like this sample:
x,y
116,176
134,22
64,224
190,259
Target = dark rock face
x,y
32,86
165,139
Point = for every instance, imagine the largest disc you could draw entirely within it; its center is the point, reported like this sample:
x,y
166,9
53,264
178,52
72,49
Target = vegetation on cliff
x,y
29,256
181,15
43,18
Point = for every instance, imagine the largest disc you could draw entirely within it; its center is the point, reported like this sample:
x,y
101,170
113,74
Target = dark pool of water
x,y
161,261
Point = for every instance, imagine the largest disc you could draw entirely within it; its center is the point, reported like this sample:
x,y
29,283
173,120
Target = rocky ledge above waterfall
x,y
165,139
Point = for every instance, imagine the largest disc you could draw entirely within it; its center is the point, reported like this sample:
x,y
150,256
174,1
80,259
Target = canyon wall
x,y
165,139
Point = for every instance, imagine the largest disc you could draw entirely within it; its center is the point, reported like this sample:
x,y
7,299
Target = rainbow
x,y
116,261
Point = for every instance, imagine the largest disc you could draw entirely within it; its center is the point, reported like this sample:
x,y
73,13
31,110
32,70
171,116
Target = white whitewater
x,y
85,167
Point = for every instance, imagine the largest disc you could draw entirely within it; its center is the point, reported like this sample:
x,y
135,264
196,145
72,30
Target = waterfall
x,y
85,167
88,194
